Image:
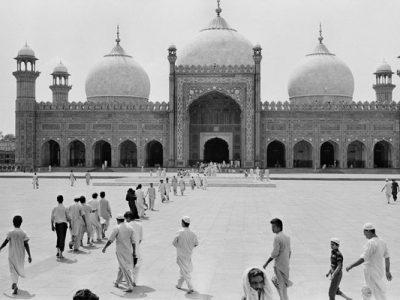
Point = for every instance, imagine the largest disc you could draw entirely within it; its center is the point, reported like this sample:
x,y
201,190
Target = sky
x,y
80,32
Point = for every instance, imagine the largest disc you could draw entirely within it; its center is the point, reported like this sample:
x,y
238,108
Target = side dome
x,y
321,77
26,51
217,44
117,78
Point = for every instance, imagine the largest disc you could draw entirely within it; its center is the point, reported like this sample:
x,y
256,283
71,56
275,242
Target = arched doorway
x,y
356,155
329,155
276,155
216,150
77,154
214,114
50,154
154,154
302,155
128,154
102,153
382,155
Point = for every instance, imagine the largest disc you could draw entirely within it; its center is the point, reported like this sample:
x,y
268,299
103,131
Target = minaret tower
x,y
25,108
383,86
60,87
172,103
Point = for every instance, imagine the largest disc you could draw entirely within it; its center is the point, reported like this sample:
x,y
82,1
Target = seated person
x,y
256,285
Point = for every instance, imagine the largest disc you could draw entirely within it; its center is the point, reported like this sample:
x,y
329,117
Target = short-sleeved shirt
x,y
336,258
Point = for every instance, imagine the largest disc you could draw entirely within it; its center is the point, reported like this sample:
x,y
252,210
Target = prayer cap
x,y
186,219
120,217
335,240
368,226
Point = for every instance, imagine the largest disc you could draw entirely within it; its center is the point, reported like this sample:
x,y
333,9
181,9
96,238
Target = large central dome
x,y
217,44
117,78
321,77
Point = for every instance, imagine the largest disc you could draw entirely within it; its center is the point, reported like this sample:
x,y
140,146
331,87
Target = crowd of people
x,y
93,219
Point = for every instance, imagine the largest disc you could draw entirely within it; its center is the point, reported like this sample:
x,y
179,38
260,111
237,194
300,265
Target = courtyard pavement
x,y
234,233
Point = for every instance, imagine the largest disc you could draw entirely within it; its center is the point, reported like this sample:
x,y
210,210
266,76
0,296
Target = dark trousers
x,y
394,196
61,231
334,287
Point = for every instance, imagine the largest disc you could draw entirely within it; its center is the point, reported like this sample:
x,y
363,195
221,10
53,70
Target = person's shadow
x,y
139,291
67,261
22,294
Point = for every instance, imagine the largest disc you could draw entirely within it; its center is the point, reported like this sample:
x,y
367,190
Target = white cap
x,y
186,219
335,240
120,217
368,226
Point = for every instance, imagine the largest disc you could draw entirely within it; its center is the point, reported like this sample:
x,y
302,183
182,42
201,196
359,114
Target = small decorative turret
x,y
60,86
257,53
383,86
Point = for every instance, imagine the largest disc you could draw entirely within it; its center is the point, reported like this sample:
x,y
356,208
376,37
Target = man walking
x,y
395,188
125,246
94,218
388,190
72,178
87,210
105,213
59,224
151,191
77,221
184,243
281,253
162,188
182,185
88,177
374,255
138,231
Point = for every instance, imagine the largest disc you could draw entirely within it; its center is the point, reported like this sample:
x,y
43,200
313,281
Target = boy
x,y
336,270
16,254
59,224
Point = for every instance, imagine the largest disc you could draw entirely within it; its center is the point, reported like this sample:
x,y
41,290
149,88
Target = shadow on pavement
x,y
196,295
22,294
139,291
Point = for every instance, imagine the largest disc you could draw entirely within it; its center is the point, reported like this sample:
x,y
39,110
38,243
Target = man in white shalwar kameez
x,y
95,218
375,255
124,236
140,201
184,243
137,256
77,217
256,285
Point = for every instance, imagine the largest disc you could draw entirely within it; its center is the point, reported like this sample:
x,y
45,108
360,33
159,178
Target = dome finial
x,y
218,10
118,40
320,38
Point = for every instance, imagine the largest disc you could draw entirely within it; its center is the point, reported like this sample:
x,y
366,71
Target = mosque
x,y
214,112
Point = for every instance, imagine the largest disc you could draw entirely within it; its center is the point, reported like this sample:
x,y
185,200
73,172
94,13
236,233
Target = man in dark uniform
x,y
395,188
336,270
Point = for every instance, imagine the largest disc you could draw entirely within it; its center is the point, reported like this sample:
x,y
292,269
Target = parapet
x,y
91,106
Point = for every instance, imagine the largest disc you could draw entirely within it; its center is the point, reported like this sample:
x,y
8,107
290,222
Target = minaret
x,y
172,104
60,87
25,108
383,86
257,103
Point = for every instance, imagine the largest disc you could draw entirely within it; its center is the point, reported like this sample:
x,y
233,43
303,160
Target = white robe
x,y
16,253
184,243
138,231
140,202
375,252
251,294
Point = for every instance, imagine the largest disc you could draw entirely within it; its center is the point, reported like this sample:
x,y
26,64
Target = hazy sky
x,y
360,32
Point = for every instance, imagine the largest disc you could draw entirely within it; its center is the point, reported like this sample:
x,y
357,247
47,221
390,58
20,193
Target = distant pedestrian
x,y
182,185
18,242
174,183
281,254
87,209
140,201
167,188
192,183
131,198
35,181
151,192
335,271
88,177
59,224
184,242
162,189
105,213
388,189
375,255
395,189
72,178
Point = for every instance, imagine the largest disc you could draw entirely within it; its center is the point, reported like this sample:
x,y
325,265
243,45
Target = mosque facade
x,y
214,112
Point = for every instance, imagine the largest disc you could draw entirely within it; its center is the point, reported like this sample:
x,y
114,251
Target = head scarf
x,y
252,294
